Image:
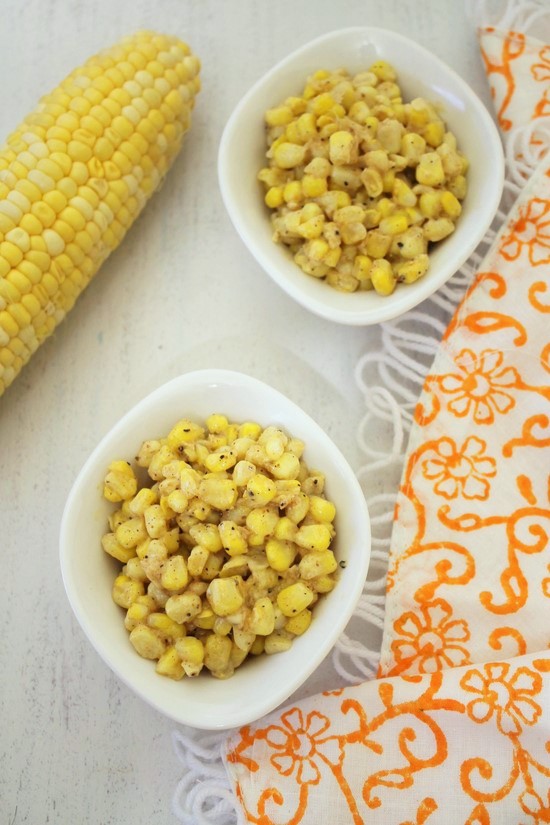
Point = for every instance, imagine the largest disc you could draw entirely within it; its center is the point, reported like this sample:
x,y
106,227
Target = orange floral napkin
x,y
456,729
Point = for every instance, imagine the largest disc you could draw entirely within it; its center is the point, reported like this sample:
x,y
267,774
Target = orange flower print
x,y
534,806
460,472
507,697
532,231
479,386
541,72
430,641
299,745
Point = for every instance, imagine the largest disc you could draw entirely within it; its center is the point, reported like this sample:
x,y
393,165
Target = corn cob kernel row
x,y
75,175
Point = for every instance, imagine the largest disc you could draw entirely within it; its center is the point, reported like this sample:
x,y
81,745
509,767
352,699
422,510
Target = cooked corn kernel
x,y
352,143
193,573
294,598
299,624
224,596
147,642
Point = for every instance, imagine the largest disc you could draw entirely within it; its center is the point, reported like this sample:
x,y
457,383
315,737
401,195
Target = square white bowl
x,y
264,682
420,74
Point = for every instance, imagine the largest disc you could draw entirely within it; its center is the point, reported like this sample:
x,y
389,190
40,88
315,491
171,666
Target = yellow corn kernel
x,y
224,596
299,624
278,116
183,607
134,569
383,70
318,563
321,509
394,224
382,276
191,653
115,549
376,245
277,642
342,148
312,186
220,493
285,467
262,521
177,501
136,614
126,590
402,193
166,627
274,197
410,271
142,500
451,205
285,529
389,135
435,229
294,598
222,627
155,522
361,268
197,560
458,186
434,132
120,482
217,650
289,155
169,664
430,204
147,642
232,538
313,536
262,618
237,656
322,584
183,433
250,429
257,647
205,619
418,114
322,103
306,126
292,192
409,244
207,536
244,639
280,554
429,171
312,228
353,233
174,574
260,490
131,532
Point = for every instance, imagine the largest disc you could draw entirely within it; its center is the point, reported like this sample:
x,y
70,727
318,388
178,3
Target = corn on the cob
x,y
75,175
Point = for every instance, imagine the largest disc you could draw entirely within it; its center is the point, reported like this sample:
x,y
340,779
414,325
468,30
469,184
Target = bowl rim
x,y
404,300
107,652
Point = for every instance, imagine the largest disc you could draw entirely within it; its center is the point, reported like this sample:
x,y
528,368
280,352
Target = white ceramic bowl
x,y
266,681
421,74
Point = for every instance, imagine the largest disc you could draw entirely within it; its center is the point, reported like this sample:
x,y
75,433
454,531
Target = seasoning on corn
x,y
227,551
360,183
76,174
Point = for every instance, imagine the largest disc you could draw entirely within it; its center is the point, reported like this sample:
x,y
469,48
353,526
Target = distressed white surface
x,y
180,293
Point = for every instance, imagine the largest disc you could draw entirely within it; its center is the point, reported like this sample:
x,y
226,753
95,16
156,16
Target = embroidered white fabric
x,y
390,378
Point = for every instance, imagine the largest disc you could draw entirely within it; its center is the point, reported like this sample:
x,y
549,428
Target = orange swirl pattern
x,y
456,728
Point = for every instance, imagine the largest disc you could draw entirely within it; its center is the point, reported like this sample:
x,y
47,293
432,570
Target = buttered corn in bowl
x,y
446,225
98,588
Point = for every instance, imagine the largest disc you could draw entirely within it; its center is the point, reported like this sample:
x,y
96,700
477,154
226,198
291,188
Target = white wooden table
x,y
76,746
